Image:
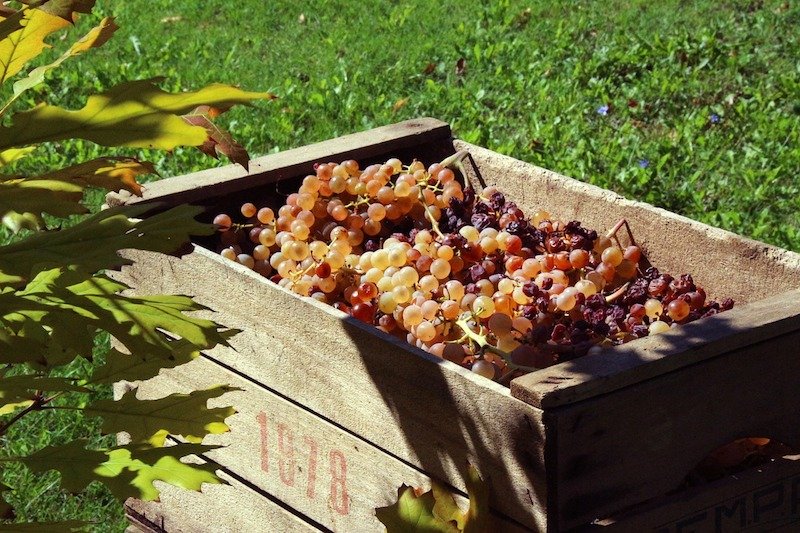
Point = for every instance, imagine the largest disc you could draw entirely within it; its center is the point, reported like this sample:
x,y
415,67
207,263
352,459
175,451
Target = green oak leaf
x,y
445,507
17,222
436,510
96,37
11,23
177,414
68,303
128,471
10,407
60,192
93,244
58,198
14,154
6,510
137,367
412,513
110,173
26,42
18,348
136,114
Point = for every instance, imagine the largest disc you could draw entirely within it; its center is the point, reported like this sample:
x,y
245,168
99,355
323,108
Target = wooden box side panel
x,y
333,477
728,265
639,442
230,508
425,411
764,498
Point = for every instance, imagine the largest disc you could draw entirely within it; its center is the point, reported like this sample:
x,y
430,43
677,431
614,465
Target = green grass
x,y
703,97
533,84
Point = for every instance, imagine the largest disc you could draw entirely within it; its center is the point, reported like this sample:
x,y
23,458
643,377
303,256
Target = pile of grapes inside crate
x,y
467,277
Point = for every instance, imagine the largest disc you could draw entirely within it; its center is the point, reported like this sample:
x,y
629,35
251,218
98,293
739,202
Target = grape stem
x,y
617,293
456,161
613,232
485,346
355,204
429,216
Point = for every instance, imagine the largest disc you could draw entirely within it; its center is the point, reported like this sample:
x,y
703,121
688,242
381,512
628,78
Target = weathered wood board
x,y
641,441
766,498
233,508
336,478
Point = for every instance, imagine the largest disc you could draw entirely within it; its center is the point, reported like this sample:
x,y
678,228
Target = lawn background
x,y
691,106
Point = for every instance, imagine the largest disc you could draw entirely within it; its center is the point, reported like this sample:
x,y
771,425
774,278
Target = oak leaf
x,y
6,511
219,141
27,42
58,198
16,391
177,414
68,9
97,36
413,513
478,518
128,471
136,114
436,511
70,308
110,173
14,154
93,244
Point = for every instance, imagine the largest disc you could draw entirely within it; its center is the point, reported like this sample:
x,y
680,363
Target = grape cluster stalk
x,y
464,276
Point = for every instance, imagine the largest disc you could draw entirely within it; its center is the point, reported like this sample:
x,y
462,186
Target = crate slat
x,y
430,133
336,478
639,442
230,508
766,498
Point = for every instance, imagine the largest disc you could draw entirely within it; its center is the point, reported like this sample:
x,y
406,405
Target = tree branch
x,y
35,406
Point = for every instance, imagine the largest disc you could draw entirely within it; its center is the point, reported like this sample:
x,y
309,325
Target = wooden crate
x,y
336,415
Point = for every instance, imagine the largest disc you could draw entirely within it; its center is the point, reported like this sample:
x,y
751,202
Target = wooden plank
x,y
766,498
423,134
366,381
621,366
332,476
230,508
639,442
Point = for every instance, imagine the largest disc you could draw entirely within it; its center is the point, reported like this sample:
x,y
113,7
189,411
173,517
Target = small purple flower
x,y
644,163
603,110
714,118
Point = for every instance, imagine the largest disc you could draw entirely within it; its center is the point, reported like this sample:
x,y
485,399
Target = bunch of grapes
x,y
466,277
